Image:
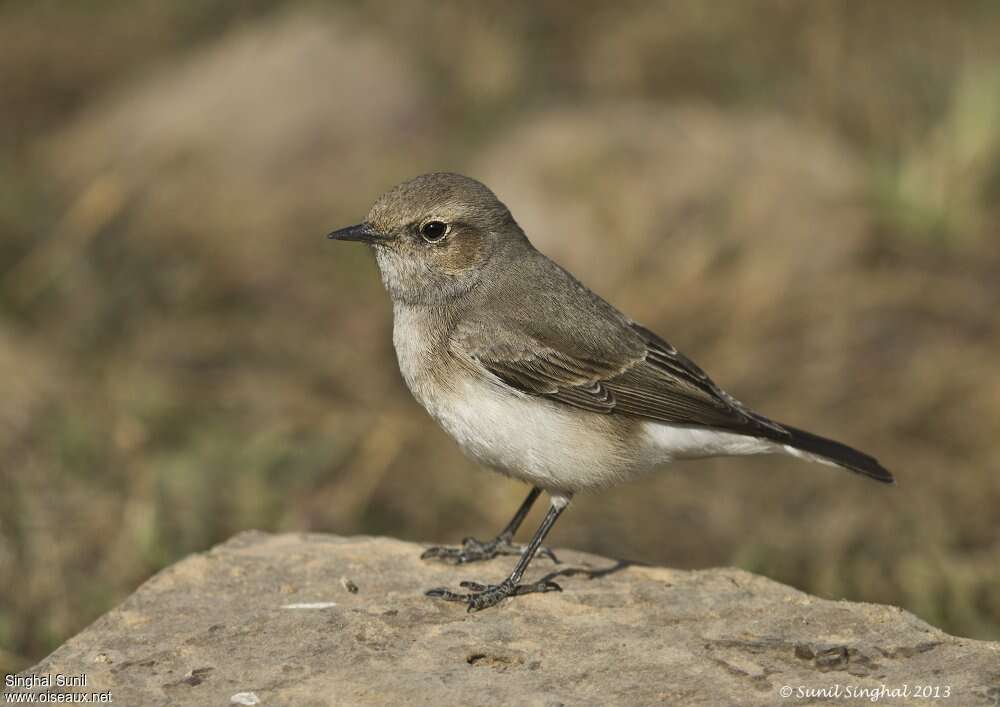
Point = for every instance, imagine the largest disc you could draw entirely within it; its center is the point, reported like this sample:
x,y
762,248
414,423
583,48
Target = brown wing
x,y
656,382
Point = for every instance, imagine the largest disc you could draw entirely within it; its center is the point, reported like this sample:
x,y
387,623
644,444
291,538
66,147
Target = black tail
x,y
839,454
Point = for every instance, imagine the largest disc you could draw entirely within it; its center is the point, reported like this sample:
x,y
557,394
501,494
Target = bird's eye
x,y
433,231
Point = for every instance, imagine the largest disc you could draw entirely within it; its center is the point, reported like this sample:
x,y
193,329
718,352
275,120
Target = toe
x,y
474,586
478,602
545,552
445,554
446,594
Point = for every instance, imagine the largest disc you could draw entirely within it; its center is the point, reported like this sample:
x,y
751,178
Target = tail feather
x,y
837,453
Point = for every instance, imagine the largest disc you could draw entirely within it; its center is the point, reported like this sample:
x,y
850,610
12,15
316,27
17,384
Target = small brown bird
x,y
538,377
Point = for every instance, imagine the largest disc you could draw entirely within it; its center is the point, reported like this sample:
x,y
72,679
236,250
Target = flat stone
x,y
265,619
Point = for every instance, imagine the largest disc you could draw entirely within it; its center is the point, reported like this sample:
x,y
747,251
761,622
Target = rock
x,y
264,619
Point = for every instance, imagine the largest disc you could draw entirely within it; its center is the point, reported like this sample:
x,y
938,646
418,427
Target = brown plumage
x,y
537,376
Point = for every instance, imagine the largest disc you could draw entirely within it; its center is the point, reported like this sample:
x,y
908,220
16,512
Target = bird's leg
x,y
473,550
483,596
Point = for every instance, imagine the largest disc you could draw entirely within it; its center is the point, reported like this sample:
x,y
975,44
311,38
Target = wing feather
x,y
654,381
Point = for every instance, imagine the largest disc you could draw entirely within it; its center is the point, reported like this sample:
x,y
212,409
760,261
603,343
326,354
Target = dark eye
x,y
433,231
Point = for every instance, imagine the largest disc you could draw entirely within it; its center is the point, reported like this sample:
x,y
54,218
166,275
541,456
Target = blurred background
x,y
803,197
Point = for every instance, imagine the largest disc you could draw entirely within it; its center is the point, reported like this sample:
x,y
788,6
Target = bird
x,y
539,378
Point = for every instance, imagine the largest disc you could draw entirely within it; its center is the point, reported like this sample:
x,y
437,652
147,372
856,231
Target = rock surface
x,y
323,620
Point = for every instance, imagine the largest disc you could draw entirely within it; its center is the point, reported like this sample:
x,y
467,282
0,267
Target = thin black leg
x,y
473,550
482,596
521,514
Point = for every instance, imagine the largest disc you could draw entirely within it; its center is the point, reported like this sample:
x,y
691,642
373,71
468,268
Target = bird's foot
x,y
483,596
473,550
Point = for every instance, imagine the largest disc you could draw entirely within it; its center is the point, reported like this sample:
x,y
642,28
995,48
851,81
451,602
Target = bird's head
x,y
434,236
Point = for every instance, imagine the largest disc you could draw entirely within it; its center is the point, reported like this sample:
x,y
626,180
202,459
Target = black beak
x,y
362,232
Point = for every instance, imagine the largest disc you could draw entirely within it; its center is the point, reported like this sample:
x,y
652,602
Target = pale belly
x,y
539,441
543,442
560,448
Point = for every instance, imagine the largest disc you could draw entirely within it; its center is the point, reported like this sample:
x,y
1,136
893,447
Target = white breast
x,y
531,438
534,439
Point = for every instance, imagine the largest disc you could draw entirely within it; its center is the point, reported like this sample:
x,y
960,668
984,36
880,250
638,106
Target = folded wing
x,y
647,379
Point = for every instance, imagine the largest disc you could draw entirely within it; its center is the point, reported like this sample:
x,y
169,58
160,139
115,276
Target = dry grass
x,y
798,197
